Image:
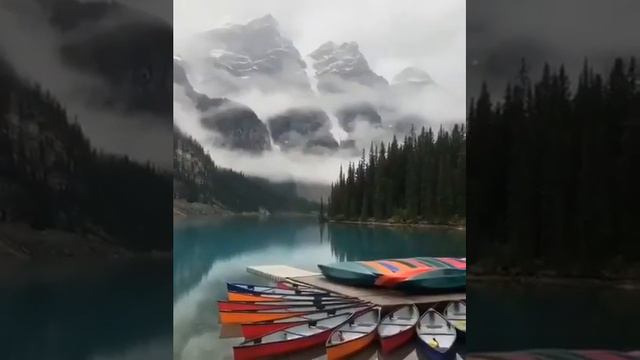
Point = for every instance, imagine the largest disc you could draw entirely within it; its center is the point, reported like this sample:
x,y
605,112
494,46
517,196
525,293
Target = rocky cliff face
x,y
306,129
365,111
238,126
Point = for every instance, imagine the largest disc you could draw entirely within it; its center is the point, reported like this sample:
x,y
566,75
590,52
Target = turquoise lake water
x,y
208,253
97,310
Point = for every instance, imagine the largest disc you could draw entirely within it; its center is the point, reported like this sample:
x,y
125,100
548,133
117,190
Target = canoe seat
x,y
398,323
295,334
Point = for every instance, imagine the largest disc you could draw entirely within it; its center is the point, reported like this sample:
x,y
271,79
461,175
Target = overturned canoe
x,y
258,329
398,327
439,280
456,314
250,316
292,339
422,274
355,273
436,335
354,335
225,305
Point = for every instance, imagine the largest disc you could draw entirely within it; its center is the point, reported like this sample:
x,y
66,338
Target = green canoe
x,y
421,274
442,280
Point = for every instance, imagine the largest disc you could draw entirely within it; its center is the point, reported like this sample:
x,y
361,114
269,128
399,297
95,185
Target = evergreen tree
x,y
420,179
553,173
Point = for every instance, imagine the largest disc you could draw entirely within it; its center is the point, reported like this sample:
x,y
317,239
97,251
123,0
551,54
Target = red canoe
x,y
225,305
251,316
398,327
286,341
288,285
258,329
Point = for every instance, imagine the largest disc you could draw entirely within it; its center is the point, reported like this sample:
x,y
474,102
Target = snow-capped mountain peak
x,y
267,21
337,65
412,75
252,54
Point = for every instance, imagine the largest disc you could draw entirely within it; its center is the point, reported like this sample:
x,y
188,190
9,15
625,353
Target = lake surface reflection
x,y
209,252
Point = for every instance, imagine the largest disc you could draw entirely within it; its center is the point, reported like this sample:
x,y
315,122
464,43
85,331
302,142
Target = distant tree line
x,y
51,177
420,179
198,179
554,173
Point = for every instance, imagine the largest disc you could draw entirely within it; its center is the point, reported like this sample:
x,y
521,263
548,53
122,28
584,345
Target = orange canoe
x,y
237,296
354,335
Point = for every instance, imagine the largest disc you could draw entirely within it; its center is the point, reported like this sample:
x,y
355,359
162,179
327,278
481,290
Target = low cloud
x,y
32,47
501,32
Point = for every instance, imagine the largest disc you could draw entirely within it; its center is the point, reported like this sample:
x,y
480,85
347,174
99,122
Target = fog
x,y
501,32
392,35
32,47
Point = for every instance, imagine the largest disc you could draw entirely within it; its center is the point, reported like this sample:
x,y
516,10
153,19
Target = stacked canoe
x,y
289,318
415,275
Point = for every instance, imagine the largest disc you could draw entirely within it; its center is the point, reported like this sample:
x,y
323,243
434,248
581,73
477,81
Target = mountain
x,y
51,178
339,67
237,127
364,111
198,179
412,75
305,128
180,77
126,48
254,54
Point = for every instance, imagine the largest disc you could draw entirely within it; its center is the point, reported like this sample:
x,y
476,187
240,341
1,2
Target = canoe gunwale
x,y
353,317
247,343
414,309
355,305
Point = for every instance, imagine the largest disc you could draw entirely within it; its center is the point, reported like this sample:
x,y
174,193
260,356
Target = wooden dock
x,y
279,272
377,296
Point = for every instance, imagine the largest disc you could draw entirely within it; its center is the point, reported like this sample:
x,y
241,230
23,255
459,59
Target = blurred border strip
x,y
556,354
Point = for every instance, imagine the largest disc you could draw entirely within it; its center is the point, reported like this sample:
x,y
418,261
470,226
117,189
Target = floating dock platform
x,y
381,297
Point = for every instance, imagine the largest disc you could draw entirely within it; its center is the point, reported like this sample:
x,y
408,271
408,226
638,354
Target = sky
x,y
501,32
392,34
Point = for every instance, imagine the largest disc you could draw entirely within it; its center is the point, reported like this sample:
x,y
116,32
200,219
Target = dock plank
x,y
279,272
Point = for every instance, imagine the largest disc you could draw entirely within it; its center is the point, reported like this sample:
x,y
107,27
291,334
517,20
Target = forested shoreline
x,y
54,182
418,181
198,180
553,175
